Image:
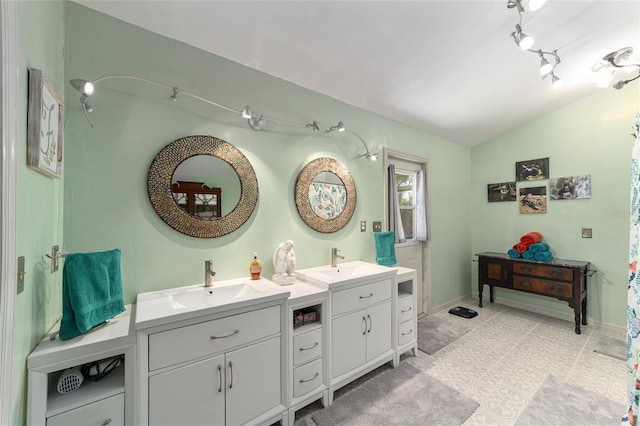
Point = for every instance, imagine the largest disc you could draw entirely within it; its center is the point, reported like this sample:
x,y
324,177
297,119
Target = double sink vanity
x,y
239,352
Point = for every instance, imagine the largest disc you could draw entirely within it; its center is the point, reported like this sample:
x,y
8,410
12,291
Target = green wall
x,y
588,137
40,198
106,202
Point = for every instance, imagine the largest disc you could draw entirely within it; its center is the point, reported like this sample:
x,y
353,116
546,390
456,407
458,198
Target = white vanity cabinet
x,y
106,401
307,345
221,368
406,312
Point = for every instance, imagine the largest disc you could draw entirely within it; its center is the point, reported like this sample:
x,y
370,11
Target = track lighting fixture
x,y
255,122
523,40
556,82
605,69
533,5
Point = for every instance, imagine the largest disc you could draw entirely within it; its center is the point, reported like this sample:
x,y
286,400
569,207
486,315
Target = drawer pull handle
x,y
370,323
220,377
106,422
233,333
308,380
231,368
407,333
406,310
555,289
526,269
366,297
364,320
556,273
525,284
310,347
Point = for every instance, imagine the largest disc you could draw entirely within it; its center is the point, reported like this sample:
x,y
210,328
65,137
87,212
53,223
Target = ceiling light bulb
x,y
83,86
341,127
246,112
556,82
526,41
604,77
373,157
536,4
545,67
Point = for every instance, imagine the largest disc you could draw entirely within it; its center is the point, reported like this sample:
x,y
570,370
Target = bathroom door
x,y
412,253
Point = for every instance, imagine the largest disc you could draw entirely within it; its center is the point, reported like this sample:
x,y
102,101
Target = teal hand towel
x,y
544,256
539,247
529,255
385,248
91,291
513,253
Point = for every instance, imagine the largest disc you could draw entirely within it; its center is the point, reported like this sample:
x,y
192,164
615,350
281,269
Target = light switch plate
x,y
20,275
377,226
586,233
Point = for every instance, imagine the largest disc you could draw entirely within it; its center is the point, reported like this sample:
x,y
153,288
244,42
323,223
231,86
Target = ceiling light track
x,y
525,42
256,122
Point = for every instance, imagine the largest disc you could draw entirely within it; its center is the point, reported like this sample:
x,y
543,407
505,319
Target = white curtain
x,y
395,221
633,292
422,226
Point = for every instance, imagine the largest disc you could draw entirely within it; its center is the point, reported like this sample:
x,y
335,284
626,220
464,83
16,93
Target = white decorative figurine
x,y
284,264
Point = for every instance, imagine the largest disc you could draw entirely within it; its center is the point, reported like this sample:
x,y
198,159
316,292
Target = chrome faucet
x,y
334,257
209,273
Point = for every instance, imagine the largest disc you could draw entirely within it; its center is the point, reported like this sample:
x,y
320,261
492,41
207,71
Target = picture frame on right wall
x,y
570,188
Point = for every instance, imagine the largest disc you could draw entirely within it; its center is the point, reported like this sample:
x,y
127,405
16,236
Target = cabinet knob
x,y
310,347
525,284
308,380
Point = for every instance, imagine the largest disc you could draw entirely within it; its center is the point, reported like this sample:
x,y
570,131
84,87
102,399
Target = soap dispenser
x,y
255,267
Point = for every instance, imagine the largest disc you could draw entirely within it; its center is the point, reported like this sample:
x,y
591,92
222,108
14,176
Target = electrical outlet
x,y
363,225
586,233
20,275
377,226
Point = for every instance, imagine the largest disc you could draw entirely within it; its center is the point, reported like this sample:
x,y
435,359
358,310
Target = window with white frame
x,y
406,184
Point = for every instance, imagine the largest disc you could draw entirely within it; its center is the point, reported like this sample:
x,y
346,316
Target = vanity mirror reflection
x,y
325,195
186,181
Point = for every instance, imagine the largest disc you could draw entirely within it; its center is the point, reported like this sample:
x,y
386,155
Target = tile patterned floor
x,y
508,354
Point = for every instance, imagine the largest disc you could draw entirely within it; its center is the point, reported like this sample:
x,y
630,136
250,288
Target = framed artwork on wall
x,y
45,126
570,188
504,191
533,200
532,169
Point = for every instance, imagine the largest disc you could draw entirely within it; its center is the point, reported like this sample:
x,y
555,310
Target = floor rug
x,y
434,333
399,396
559,403
615,348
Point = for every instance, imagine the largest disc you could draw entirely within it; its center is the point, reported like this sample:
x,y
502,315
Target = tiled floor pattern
x,y
508,354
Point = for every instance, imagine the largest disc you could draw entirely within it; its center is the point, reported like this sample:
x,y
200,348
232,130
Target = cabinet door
x,y
189,395
379,325
348,342
253,381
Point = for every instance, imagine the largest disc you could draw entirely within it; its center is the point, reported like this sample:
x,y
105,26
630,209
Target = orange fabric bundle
x,y
521,247
531,238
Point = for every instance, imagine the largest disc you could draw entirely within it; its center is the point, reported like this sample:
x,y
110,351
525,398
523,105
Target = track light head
x,y
517,4
246,112
556,82
256,123
85,87
339,127
174,97
315,126
536,4
523,40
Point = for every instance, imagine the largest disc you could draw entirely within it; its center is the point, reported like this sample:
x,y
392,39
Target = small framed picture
x,y
532,169
45,126
533,200
504,191
570,188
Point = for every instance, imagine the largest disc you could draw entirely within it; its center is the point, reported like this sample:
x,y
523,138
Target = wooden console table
x,y
563,279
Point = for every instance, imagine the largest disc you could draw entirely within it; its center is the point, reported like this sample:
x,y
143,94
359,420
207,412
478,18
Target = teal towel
x,y
538,247
528,255
544,256
513,253
91,291
385,248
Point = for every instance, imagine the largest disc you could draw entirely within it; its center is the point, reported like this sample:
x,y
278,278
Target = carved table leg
x,y
480,286
577,322
584,311
491,293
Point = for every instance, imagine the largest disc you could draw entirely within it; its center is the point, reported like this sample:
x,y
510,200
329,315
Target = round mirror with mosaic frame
x,y
325,195
161,188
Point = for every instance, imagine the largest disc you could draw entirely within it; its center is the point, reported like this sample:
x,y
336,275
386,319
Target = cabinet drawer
x,y
307,377
360,297
548,288
307,346
106,411
211,337
405,309
544,271
406,332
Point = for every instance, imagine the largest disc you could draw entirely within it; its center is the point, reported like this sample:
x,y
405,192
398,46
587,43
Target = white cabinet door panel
x,y
379,330
348,343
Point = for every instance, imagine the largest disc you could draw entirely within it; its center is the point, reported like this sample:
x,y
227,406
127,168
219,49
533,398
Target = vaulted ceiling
x,y
450,68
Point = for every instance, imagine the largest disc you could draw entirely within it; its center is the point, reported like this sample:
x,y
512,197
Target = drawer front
x,y
544,271
405,309
307,377
211,337
406,332
360,297
548,288
106,411
307,346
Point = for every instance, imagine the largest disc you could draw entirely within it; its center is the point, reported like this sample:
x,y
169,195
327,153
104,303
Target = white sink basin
x,y
344,273
203,296
164,306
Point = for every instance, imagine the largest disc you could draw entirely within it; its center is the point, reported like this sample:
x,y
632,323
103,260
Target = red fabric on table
x,y
531,238
521,247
